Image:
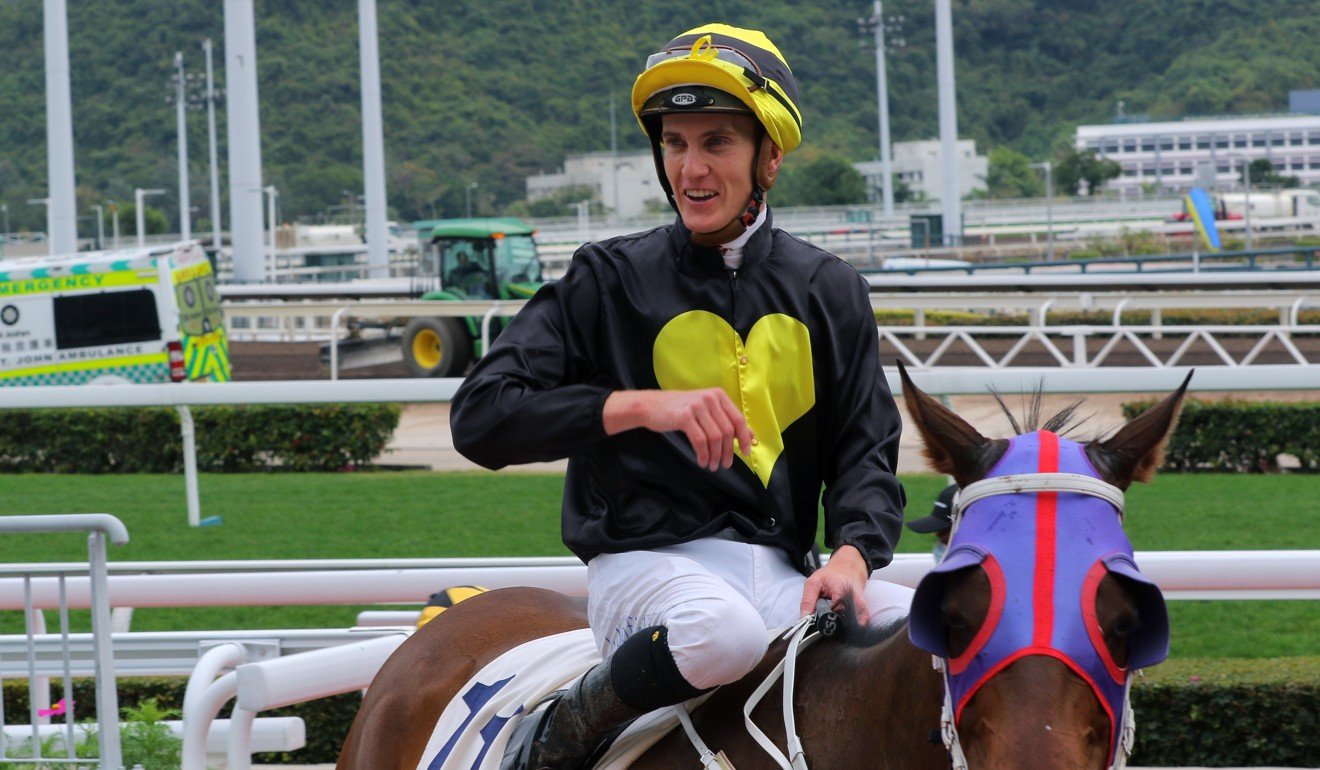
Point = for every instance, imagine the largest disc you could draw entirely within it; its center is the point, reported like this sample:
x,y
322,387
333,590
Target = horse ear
x,y
1137,449
952,446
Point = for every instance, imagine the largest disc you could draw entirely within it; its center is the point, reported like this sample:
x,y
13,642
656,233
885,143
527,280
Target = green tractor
x,y
468,259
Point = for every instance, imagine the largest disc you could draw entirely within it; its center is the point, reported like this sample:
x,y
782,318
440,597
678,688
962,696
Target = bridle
x,y
1016,484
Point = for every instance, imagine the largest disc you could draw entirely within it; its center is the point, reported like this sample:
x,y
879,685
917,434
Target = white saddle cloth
x,y
474,728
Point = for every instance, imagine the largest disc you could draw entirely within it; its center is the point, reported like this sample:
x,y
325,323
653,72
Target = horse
x,y
875,699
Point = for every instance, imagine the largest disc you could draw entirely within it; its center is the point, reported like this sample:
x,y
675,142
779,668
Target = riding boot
x,y
569,733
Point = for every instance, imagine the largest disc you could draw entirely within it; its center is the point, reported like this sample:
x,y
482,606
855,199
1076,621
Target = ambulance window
x,y
107,318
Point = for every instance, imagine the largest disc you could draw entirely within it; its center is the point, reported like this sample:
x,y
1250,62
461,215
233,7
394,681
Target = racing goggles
x,y
705,51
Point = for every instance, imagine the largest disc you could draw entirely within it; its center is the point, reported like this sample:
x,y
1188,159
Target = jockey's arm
x,y
844,574
707,417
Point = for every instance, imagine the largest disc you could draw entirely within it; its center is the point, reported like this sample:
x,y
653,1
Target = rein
x,y
800,636
1031,483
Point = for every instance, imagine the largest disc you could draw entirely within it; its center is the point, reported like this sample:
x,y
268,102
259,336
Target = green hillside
x,y
494,90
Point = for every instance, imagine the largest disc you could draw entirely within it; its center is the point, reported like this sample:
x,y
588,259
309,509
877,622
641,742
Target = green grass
x,y
417,514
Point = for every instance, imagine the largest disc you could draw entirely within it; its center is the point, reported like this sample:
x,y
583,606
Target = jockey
x,y
705,380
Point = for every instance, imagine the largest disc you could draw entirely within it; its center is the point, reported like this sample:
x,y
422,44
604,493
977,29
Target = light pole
x,y
100,226
1049,203
271,195
114,220
5,238
138,194
181,104
875,25
1246,200
210,124
467,208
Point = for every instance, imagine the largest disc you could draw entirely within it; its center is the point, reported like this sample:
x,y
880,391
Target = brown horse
x,y
875,702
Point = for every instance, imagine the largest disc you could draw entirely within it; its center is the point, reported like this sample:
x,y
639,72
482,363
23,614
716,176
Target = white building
x,y
917,164
1166,155
633,180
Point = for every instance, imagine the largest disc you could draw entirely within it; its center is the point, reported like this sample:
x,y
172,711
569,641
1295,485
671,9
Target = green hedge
x,y
324,437
1240,436
1184,723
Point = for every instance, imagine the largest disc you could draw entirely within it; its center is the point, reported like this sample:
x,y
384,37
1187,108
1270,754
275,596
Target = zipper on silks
x,y
733,305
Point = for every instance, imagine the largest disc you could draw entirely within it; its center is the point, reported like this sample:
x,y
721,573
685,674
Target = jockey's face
x,y
708,160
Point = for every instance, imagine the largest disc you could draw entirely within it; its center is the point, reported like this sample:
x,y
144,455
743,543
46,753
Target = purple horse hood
x,y
1044,554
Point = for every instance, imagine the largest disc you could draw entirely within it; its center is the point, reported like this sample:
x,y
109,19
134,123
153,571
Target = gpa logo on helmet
x,y
683,99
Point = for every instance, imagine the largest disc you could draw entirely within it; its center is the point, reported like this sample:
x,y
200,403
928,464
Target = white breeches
x,y
718,598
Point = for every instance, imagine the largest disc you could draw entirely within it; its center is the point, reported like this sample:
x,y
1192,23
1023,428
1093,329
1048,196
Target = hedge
x,y
323,437
1240,436
1185,723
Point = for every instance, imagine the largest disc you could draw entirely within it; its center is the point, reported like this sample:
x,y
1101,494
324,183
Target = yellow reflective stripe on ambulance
x,y
192,273
149,359
87,281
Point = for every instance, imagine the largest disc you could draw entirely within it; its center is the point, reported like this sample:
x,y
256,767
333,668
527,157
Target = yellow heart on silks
x,y
768,376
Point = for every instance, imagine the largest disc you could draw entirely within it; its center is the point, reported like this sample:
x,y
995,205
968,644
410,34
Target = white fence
x,y
267,669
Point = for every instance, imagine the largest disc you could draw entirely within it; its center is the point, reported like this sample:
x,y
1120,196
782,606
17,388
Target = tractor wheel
x,y
436,347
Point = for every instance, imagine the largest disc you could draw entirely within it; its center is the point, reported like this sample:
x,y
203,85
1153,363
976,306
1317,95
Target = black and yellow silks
x,y
790,336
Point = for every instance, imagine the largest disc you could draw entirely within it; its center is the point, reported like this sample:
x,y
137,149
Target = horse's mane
x,y
855,634
1062,422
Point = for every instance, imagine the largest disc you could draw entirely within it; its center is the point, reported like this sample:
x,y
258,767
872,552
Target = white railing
x,y
253,668
326,320
100,528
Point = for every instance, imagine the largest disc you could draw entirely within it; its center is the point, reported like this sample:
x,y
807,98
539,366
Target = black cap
x,y
941,516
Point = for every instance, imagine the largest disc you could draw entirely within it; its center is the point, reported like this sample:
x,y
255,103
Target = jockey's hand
x,y
842,576
708,418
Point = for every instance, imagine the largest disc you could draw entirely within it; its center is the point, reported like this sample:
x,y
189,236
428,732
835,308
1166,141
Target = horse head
x,y
1038,614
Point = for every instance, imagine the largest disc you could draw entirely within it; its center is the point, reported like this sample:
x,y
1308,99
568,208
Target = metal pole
x,y
614,155
100,226
271,194
61,212
468,206
210,125
882,95
1049,204
950,202
244,125
189,435
373,142
107,697
138,195
4,239
1246,201
114,220
180,99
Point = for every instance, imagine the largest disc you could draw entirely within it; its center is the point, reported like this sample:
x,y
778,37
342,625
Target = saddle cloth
x,y
474,728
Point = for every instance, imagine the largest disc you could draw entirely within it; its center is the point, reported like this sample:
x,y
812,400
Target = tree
x,y
1262,173
1074,167
1011,175
827,180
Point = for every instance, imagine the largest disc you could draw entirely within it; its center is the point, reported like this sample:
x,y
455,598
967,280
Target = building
x,y
1166,156
633,179
917,164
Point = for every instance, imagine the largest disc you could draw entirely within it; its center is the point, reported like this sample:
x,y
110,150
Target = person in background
x,y
939,522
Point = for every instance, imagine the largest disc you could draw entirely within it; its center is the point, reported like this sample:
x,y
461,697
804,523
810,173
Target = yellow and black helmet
x,y
698,70
719,68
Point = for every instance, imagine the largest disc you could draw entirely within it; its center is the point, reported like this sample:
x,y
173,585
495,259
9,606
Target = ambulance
x,y
127,316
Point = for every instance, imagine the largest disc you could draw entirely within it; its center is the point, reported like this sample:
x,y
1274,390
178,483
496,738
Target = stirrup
x,y
526,731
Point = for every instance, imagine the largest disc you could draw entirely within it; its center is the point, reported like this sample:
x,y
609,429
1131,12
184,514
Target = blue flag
x,y
1202,212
